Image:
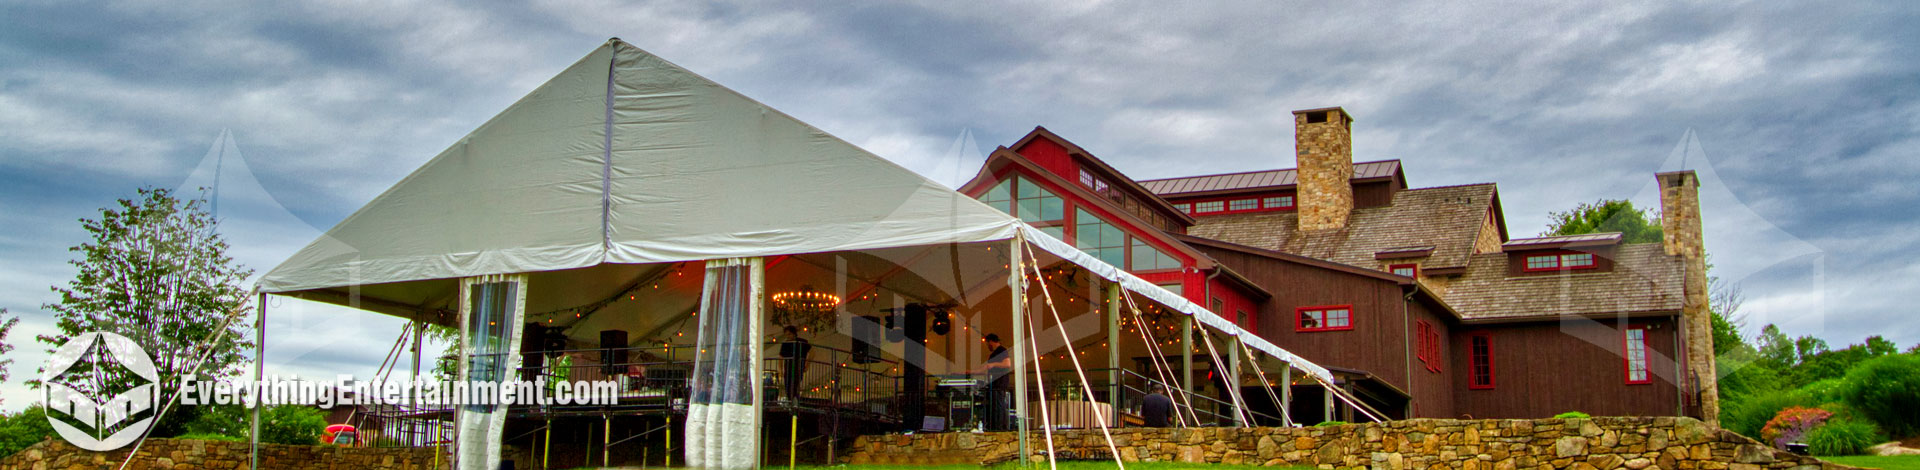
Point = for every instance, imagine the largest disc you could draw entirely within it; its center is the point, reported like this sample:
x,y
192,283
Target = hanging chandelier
x,y
806,308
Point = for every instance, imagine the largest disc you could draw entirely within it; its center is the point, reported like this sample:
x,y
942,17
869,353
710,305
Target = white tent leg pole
x,y
259,369
1161,366
1016,282
1086,386
1233,383
1046,412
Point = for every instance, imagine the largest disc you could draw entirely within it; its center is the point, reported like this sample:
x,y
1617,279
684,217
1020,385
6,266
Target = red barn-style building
x,y
1417,298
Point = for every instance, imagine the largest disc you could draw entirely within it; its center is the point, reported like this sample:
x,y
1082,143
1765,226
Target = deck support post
x,y
1113,350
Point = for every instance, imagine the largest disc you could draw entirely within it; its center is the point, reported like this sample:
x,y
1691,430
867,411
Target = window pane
x,y
1057,231
1278,202
1173,287
1086,179
1052,207
1209,206
1543,262
1146,257
1099,238
1244,204
1310,319
1339,318
1576,260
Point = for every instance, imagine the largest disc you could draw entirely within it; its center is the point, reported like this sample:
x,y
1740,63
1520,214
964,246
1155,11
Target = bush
x,y
1792,424
19,430
201,436
1885,390
1572,415
283,424
1824,391
1329,423
1842,437
1749,415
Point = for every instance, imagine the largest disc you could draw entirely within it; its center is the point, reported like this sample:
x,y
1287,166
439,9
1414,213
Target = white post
x,y
1016,282
1233,381
259,369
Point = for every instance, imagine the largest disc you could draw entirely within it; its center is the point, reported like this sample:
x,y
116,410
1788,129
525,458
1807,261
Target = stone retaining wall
x,y
177,454
1585,444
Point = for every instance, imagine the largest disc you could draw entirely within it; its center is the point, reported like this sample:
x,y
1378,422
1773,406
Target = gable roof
x,y
1264,179
617,160
1644,280
1144,193
1447,218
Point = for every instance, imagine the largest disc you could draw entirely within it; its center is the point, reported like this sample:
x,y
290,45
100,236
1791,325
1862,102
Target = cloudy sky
x,y
1802,118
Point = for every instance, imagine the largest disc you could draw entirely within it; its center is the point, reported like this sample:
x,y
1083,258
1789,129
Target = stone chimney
x,y
1682,236
1323,152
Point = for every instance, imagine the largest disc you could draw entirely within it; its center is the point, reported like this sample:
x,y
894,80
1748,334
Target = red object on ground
x,y
340,434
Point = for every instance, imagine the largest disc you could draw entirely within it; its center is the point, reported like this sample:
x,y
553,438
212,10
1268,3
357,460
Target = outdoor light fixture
x,y
805,308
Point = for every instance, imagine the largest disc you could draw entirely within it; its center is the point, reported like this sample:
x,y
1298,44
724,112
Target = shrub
x,y
1791,424
282,424
1842,437
22,429
1885,390
201,436
1823,391
1572,415
1749,415
1329,423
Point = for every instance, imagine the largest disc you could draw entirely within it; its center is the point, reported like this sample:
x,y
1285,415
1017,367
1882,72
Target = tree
x,y
156,272
1606,215
6,327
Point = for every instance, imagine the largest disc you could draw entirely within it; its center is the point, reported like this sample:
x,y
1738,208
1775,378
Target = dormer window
x,y
1209,206
1408,270
1277,202
1238,204
1559,261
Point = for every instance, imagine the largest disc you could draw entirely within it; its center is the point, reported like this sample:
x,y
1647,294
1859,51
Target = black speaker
x,y
613,352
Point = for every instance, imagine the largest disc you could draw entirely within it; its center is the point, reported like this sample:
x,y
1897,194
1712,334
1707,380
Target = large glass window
x,y
1099,238
1635,349
1277,202
1037,204
1148,258
1025,199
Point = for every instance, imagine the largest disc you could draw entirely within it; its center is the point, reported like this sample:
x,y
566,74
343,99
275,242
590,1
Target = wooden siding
x,y
1380,341
1432,391
1373,194
1546,368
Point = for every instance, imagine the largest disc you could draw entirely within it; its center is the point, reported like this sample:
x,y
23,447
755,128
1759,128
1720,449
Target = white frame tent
x,y
624,159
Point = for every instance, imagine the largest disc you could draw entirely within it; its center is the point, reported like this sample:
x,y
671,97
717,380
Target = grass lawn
x,y
1904,462
1076,465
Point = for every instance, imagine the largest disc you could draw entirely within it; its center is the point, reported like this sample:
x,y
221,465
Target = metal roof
x,y
1610,237
1257,179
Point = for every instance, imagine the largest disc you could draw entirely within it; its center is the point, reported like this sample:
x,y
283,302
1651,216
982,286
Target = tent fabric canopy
x,y
627,158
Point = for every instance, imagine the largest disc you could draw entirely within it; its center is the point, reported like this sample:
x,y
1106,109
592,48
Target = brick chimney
x,y
1323,152
1683,237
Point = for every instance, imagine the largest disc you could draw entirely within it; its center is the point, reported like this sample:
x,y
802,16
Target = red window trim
x,y
1396,267
1559,261
1473,361
1299,326
1422,330
1226,204
1626,358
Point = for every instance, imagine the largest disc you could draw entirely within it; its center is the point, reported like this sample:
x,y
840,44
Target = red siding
x,y
1433,391
1543,369
1052,156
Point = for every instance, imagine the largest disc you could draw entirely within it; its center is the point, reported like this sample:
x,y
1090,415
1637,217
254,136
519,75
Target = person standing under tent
x,y
794,350
1156,407
999,371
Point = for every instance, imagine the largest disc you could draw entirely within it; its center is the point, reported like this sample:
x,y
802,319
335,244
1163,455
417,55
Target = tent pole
x,y
1113,349
1016,282
259,369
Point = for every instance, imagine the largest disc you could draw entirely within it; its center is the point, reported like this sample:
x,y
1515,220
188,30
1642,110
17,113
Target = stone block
x,y
1570,447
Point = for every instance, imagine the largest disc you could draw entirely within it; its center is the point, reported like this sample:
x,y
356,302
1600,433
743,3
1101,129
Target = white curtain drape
x,y
722,413
492,308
